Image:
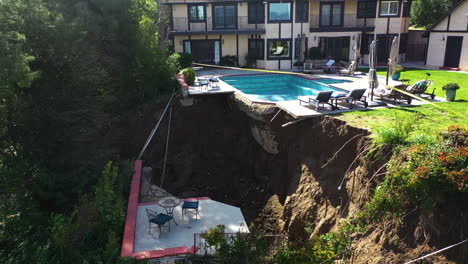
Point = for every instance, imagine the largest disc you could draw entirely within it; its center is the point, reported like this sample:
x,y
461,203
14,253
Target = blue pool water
x,y
280,87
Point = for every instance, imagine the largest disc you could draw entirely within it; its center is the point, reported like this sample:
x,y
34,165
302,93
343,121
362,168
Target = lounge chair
x,y
159,219
354,96
392,94
350,71
279,51
419,88
320,98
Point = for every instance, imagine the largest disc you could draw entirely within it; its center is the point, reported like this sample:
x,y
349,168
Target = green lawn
x,y
428,118
440,78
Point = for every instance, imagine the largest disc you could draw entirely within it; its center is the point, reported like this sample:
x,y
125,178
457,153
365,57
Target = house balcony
x,y
240,25
337,23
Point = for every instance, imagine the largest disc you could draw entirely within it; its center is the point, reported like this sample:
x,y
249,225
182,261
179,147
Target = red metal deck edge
x,y
130,222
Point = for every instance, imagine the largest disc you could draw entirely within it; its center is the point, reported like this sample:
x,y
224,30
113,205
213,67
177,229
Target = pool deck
x,y
292,107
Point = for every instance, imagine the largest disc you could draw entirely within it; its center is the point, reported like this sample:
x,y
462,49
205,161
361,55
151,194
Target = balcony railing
x,y
241,23
340,22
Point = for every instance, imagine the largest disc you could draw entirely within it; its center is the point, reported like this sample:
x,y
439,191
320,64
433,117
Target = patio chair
x,y
321,98
214,80
350,71
354,96
308,67
191,203
158,219
203,82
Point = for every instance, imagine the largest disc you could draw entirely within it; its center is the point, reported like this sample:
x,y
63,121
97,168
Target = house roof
x,y
446,15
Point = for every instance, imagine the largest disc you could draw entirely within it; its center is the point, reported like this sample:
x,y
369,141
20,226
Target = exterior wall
x,y
437,46
438,40
458,19
393,25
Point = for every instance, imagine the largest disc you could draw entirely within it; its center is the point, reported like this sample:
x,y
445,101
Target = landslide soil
x,y
281,177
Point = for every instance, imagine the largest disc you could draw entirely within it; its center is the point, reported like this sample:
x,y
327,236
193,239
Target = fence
x,y
416,52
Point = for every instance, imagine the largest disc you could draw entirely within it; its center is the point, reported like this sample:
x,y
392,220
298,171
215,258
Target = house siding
x,y
238,46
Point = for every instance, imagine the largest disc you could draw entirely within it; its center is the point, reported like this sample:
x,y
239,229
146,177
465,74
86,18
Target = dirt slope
x,y
281,177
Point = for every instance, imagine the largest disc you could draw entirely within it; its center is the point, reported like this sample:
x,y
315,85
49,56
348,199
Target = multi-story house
x,y
270,31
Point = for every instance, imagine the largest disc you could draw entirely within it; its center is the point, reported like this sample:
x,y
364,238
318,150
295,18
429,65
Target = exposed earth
x,y
281,177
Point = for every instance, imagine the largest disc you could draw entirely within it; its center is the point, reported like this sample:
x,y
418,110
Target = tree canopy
x,y
424,13
71,72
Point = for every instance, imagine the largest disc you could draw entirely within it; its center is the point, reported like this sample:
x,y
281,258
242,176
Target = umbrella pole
x,y
388,71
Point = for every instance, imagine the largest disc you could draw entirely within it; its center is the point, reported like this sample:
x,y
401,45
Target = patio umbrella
x,y
373,81
357,50
392,59
303,48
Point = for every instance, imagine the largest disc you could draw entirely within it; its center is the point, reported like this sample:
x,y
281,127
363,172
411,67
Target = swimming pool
x,y
280,87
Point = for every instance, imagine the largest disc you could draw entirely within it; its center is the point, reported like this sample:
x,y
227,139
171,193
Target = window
x,y
403,42
336,48
256,13
302,11
365,43
279,49
279,12
297,47
256,48
224,16
331,14
197,13
366,9
389,8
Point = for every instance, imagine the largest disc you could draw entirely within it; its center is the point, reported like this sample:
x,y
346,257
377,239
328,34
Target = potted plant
x,y
451,91
397,74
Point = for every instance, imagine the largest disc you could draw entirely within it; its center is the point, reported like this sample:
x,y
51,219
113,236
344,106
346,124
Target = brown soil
x,y
281,177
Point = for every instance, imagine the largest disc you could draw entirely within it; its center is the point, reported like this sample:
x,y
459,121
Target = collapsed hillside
x,y
282,178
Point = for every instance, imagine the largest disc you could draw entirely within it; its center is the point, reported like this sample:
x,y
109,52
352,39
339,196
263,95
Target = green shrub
x,y
423,176
189,75
228,60
397,133
451,86
180,60
240,248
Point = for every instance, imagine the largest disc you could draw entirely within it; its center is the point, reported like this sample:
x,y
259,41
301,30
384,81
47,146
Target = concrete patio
x,y
181,236
359,80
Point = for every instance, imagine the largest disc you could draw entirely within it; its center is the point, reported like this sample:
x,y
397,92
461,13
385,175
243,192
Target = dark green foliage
x,y
241,248
397,133
316,53
424,13
451,86
318,249
189,75
180,60
228,60
73,72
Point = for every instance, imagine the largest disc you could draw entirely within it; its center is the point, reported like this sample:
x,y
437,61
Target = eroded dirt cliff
x,y
282,177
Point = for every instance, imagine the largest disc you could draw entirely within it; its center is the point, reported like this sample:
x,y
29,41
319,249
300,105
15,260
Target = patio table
x,y
169,203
